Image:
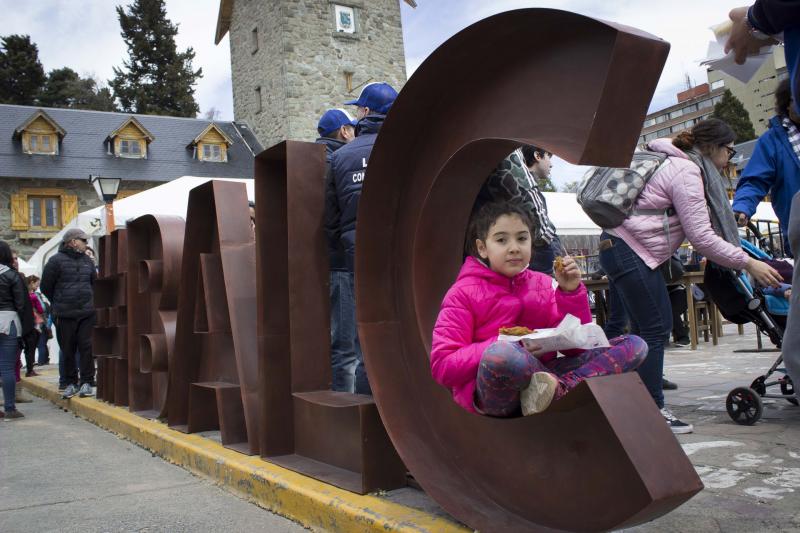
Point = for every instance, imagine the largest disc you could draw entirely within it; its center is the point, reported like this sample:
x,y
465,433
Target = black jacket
x,y
68,281
335,250
343,186
13,294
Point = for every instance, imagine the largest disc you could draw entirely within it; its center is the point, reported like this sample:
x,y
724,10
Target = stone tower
x,y
293,59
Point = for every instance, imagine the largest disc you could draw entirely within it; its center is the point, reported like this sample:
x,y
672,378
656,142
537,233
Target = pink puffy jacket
x,y
481,302
678,184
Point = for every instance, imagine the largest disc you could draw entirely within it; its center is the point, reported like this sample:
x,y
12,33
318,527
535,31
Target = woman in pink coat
x,y
496,289
678,200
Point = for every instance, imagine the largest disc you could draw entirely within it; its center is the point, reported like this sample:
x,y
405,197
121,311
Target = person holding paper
x,y
495,289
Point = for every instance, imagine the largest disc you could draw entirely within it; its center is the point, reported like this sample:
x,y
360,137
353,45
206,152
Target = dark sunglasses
x,y
731,152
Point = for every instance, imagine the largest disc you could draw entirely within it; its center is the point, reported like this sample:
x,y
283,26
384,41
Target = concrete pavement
x,y
60,473
751,473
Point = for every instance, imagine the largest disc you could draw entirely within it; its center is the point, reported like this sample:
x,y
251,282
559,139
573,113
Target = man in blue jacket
x,y
337,128
773,168
347,172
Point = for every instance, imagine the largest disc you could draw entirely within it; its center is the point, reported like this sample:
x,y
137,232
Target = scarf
x,y
719,207
793,134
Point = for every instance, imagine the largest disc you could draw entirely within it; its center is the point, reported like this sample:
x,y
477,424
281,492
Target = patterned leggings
x,y
506,368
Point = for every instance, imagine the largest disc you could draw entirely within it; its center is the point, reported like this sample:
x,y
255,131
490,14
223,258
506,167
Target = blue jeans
x,y
644,296
43,350
347,361
9,348
617,316
543,257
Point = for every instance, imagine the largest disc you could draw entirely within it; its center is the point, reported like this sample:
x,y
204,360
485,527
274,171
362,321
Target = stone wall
x,y
301,62
87,199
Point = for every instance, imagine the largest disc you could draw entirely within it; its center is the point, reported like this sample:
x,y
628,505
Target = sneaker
x,y
11,415
70,391
86,390
31,373
537,396
682,343
674,424
668,385
61,387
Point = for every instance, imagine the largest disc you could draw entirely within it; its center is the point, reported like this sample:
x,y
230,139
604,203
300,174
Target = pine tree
x,y
21,72
545,185
731,110
156,78
65,88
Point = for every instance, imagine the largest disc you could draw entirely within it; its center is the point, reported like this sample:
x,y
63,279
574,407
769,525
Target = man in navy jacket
x,y
348,169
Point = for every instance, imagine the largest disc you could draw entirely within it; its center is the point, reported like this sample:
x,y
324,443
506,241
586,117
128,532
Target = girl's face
x,y
34,286
507,247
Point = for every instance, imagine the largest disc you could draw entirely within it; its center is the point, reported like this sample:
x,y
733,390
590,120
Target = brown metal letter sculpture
x,y
213,380
602,457
109,337
336,437
155,245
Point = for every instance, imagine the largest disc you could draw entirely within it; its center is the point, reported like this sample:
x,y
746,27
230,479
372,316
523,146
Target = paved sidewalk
x,y
751,473
61,473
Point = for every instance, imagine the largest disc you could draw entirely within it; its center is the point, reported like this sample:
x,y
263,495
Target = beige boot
x,y
21,394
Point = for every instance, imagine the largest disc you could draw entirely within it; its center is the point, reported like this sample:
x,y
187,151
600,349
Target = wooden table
x,y
599,286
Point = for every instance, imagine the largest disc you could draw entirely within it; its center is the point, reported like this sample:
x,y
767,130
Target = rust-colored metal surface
x,y
335,437
213,374
155,245
601,458
109,337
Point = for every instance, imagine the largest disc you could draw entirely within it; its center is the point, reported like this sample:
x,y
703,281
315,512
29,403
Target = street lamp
x,y
107,190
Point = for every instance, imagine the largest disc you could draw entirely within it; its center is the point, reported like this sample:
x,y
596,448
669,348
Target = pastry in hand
x,y
516,331
558,264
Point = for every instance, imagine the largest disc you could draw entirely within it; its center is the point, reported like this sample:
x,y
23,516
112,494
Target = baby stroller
x,y
739,302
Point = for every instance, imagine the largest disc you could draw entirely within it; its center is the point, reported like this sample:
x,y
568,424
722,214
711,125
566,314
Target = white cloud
x,y
85,36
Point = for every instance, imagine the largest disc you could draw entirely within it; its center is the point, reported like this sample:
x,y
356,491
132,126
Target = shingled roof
x,y
84,148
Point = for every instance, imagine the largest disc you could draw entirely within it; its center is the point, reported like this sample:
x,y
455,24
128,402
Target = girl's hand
x,y
569,276
787,294
764,274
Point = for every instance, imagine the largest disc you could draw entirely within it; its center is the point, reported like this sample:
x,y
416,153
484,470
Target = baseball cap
x,y
74,233
332,120
378,96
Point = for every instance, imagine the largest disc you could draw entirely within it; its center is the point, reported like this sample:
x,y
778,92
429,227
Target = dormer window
x,y
212,152
130,148
130,140
211,145
40,134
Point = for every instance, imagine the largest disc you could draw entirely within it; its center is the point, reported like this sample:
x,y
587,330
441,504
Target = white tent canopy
x,y
170,198
568,216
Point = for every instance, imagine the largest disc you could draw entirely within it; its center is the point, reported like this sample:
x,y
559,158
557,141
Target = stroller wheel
x,y
744,406
759,385
787,389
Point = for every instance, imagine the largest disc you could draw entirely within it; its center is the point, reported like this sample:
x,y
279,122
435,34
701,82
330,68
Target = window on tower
x,y
254,40
259,102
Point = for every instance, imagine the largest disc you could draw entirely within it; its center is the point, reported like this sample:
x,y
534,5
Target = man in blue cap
x,y
337,128
348,167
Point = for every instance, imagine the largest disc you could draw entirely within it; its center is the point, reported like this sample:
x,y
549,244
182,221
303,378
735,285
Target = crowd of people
x,y
30,307
516,272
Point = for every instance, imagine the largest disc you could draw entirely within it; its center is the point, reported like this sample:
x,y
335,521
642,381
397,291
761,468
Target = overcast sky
x,y
85,35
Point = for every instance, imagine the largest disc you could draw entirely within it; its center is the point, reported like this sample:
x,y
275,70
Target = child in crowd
x,y
31,339
496,289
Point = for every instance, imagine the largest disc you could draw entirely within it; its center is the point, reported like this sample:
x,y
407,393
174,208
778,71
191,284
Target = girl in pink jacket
x,y
496,289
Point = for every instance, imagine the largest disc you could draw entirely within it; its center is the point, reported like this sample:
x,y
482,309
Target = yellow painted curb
x,y
314,504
